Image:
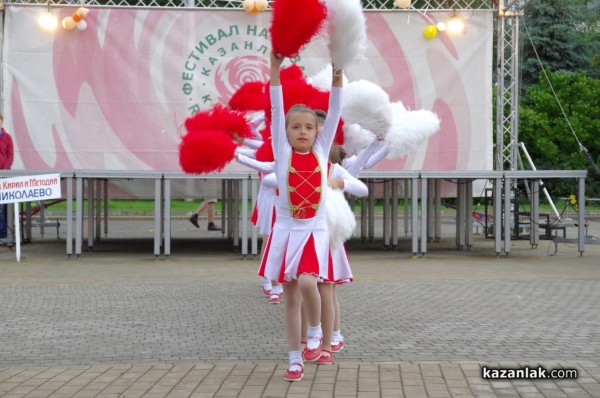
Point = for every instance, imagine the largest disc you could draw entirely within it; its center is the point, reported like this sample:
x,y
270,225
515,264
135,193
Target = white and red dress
x,y
299,241
339,267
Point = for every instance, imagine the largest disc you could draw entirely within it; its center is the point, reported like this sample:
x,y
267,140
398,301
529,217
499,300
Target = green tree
x,y
565,35
546,132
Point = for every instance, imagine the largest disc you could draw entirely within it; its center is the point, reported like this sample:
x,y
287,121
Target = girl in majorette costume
x,y
338,267
372,154
297,250
263,215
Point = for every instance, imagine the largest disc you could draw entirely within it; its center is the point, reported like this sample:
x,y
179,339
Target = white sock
x,y
295,359
266,283
277,289
314,333
337,336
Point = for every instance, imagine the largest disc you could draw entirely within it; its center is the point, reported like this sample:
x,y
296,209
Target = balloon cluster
x,y
76,20
254,6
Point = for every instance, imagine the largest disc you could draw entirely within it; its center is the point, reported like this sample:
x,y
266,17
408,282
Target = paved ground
x,y
117,322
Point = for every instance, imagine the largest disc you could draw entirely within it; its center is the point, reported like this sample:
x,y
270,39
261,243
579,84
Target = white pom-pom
x,y
322,80
340,218
356,138
410,129
347,31
367,104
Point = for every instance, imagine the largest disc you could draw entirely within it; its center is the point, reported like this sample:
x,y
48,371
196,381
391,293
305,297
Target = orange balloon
x,y
76,17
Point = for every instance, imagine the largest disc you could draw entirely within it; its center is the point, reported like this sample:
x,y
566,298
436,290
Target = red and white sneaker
x,y
312,354
294,375
274,299
337,346
266,292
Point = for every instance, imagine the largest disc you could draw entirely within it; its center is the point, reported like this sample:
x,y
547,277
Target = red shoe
x,y
312,354
274,299
325,359
266,292
337,347
294,375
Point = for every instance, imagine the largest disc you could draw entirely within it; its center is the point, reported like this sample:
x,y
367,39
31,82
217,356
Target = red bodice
x,y
304,185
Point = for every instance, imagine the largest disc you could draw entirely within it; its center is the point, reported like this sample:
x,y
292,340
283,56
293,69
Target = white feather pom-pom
x,y
322,80
340,218
346,27
356,138
367,104
410,129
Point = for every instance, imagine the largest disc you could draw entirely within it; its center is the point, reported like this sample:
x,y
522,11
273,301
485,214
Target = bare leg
x,y
202,207
310,298
210,211
304,332
336,307
293,303
327,313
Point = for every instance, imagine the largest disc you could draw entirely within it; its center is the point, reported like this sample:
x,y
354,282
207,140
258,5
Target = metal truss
x,y
221,4
506,153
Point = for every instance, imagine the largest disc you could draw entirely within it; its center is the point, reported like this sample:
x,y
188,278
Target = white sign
x,y
30,188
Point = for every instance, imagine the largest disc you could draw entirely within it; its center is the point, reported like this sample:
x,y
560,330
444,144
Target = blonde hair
x,y
321,116
300,108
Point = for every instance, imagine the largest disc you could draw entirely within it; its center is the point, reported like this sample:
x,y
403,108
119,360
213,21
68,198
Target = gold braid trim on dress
x,y
299,210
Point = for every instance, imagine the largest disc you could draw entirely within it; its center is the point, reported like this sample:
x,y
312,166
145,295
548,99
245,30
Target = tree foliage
x,y
550,137
565,35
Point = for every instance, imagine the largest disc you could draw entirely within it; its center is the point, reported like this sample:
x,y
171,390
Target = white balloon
x,y
82,25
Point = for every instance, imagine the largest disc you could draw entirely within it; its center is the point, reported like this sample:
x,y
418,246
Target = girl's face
x,y
301,131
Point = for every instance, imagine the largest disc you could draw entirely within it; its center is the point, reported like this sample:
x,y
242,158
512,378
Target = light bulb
x,y
455,25
48,21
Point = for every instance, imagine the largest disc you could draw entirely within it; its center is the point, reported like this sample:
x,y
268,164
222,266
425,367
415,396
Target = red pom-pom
x,y
220,118
249,97
265,133
339,134
292,72
265,152
205,151
292,28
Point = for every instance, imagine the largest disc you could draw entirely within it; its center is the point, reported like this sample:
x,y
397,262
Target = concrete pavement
x,y
117,322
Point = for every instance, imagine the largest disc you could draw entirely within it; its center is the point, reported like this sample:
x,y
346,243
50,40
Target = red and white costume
x,y
263,215
339,268
299,242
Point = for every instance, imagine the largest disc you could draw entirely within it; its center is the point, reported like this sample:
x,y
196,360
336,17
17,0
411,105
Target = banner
x,y
30,188
115,95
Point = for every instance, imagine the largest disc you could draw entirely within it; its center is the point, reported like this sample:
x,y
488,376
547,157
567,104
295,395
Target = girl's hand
x,y
276,60
237,138
336,183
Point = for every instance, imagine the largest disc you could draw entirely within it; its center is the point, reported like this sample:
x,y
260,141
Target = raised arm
x,y
350,184
263,167
363,160
251,153
327,134
254,144
377,156
277,111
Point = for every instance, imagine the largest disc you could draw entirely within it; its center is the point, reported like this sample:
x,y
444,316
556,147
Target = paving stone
x,y
123,324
